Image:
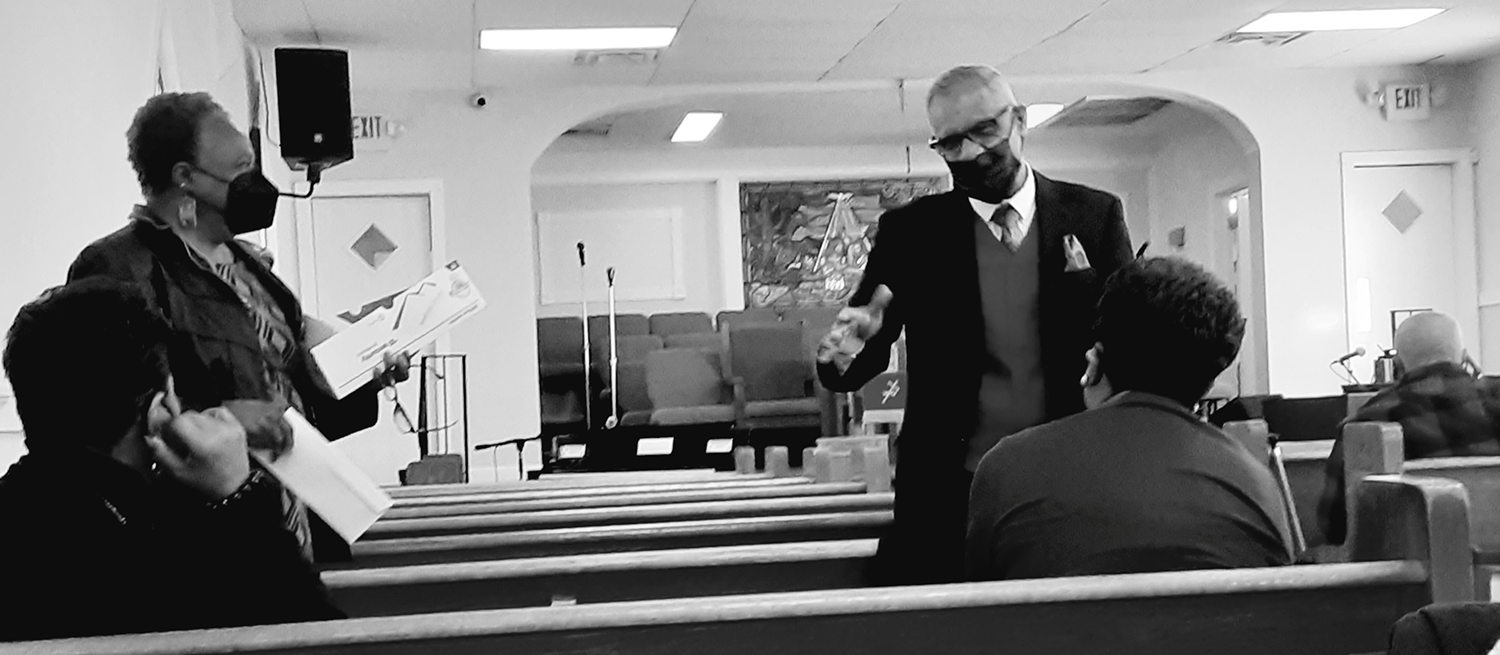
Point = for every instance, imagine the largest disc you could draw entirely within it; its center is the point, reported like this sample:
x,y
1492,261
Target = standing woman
x,y
240,338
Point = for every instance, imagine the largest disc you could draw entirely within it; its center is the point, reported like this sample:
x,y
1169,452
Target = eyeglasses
x,y
985,133
403,420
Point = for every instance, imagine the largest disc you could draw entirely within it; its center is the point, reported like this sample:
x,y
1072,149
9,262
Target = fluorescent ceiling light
x,y
593,38
1041,112
1359,19
696,126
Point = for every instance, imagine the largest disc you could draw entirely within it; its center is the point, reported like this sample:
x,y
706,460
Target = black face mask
x,y
989,176
250,205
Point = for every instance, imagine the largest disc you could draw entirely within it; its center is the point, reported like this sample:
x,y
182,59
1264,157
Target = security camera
x,y
479,100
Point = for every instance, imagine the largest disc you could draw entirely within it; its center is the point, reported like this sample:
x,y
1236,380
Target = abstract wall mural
x,y
806,243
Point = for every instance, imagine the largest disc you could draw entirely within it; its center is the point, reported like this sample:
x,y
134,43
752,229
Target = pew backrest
x,y
571,481
615,538
750,482
625,500
603,577
588,516
1339,608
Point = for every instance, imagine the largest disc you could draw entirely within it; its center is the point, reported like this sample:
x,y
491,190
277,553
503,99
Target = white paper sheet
x,y
334,487
413,319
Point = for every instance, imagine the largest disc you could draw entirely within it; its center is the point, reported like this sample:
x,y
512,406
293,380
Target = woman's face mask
x,y
249,204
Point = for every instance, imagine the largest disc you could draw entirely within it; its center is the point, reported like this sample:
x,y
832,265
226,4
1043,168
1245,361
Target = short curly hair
x,y
84,360
164,132
1168,327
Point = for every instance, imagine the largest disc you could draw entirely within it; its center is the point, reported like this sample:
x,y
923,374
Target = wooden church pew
x,y
1378,448
574,481
1420,557
606,577
601,516
626,500
487,496
552,542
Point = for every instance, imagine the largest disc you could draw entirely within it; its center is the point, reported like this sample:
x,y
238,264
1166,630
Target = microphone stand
x,y
519,443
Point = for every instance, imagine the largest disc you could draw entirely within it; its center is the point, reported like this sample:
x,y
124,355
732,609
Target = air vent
x,y
615,57
1268,39
1098,112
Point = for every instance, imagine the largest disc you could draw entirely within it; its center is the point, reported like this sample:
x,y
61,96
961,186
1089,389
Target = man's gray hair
x,y
958,78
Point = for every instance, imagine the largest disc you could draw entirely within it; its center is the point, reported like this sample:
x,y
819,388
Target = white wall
x,y
1484,127
1302,120
74,74
634,178
703,268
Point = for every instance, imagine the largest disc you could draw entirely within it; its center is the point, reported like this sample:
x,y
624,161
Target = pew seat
x,y
552,542
1419,557
601,516
625,500
606,577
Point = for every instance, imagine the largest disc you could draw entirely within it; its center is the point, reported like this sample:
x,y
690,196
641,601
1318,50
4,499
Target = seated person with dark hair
x,y
1136,483
1444,410
128,514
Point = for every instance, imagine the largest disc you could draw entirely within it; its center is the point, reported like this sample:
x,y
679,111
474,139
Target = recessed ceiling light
x,y
592,38
1359,19
1041,112
696,126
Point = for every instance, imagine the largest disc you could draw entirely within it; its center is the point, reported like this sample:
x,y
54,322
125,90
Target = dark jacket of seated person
x,y
128,514
1137,483
1444,410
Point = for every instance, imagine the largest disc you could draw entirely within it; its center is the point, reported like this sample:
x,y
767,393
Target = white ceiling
x,y
416,44
408,45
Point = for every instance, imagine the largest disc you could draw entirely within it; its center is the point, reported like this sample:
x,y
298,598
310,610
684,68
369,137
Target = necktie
x,y
1009,221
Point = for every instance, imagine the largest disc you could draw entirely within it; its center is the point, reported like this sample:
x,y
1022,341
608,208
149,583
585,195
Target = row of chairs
x,y
752,369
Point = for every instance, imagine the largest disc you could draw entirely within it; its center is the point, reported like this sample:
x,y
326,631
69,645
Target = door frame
x,y
1466,229
432,189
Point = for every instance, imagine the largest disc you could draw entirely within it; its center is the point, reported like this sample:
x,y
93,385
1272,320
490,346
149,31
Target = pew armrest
x,y
1403,517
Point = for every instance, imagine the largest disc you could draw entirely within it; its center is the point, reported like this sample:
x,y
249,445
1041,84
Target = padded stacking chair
x,y
686,387
635,397
625,324
635,404
743,317
817,319
559,346
712,341
772,378
663,325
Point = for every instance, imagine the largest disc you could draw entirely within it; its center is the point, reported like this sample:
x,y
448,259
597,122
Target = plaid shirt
x,y
1443,412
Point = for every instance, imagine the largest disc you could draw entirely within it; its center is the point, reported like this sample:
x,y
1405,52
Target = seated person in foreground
x,y
1137,482
128,514
1444,410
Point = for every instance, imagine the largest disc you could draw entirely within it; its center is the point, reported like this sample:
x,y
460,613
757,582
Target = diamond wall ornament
x,y
1402,212
374,247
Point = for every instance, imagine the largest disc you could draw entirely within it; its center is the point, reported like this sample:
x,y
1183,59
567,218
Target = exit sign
x,y
1407,102
372,132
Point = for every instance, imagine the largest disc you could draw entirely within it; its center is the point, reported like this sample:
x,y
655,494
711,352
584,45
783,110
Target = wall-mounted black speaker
x,y
312,102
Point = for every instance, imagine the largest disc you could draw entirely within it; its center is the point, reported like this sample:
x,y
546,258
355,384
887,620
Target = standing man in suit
x,y
996,284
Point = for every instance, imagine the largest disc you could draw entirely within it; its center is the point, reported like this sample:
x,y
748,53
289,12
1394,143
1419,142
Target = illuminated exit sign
x,y
1407,102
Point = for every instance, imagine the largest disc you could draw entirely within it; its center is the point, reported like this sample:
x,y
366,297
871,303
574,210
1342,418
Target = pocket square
x,y
1074,255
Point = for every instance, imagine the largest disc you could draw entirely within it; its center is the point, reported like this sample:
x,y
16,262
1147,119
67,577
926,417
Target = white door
x,y
365,247
1400,240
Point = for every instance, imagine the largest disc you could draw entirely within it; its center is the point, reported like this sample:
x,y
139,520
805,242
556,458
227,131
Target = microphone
x,y
1358,352
580,253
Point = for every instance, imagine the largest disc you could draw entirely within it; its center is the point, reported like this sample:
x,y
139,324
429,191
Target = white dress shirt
x,y
1024,202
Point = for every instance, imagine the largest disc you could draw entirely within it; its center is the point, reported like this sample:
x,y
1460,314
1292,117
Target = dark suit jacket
x,y
925,253
1136,485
